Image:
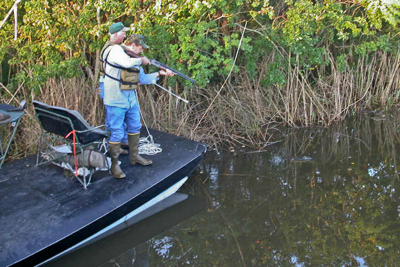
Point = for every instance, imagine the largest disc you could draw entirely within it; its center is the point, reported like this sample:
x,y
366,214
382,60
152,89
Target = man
x,y
124,142
120,101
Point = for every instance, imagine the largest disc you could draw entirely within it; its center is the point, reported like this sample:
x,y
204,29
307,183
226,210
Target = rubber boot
x,y
124,148
114,151
124,145
134,156
123,152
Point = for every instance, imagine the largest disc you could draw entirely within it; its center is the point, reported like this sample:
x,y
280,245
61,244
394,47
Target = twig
x,y
259,204
181,256
260,151
13,8
11,94
226,80
234,236
358,139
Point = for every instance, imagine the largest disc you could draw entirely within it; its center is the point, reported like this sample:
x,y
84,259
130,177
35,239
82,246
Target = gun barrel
x,y
160,65
165,67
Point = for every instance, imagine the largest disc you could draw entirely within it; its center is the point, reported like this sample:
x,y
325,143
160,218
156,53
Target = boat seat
x,y
56,123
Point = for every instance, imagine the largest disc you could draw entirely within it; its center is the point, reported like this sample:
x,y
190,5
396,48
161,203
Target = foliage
x,y
300,62
198,37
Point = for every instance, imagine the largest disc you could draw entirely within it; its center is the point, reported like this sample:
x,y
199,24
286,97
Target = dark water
x,y
319,197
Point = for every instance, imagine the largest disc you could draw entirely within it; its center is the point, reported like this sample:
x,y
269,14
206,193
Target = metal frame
x,y
14,123
50,139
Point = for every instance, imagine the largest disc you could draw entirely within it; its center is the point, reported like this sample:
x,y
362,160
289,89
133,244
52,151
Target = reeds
x,y
244,111
73,94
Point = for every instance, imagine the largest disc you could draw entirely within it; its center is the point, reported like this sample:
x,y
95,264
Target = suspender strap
x,y
121,81
117,67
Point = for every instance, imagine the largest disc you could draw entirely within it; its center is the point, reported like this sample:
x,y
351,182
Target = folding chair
x,y
9,116
57,123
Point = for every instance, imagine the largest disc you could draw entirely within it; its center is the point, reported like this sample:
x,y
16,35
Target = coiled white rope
x,y
146,144
148,147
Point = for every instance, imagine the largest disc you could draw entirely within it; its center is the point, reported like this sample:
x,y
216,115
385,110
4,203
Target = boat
x,y
133,232
45,213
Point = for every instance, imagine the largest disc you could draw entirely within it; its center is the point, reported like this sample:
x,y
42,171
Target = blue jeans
x,y
107,124
118,118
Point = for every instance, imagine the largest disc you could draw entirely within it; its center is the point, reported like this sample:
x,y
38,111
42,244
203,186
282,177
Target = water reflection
x,y
320,197
127,240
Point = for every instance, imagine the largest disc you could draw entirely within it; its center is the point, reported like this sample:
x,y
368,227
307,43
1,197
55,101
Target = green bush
x,y
277,43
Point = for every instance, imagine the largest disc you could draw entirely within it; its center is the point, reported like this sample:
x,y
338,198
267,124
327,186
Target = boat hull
x,y
44,212
132,232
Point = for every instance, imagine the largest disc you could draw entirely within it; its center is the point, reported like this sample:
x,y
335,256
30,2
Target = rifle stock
x,y
160,65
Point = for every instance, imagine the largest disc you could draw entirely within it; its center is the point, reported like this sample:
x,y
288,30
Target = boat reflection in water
x,y
123,238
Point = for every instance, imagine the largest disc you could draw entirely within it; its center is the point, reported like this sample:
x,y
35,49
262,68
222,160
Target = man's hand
x,y
145,61
166,73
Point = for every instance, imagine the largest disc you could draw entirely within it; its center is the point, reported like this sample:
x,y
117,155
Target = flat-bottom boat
x,y
44,213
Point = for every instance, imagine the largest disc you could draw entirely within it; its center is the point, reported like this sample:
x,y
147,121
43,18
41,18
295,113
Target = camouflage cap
x,y
138,39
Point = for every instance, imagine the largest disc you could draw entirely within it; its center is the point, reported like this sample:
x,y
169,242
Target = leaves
x,y
200,38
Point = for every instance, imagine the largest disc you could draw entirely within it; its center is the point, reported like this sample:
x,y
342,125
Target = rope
x,y
74,141
148,147
146,144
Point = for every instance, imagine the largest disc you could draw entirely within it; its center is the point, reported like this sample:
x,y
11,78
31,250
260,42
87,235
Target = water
x,y
319,197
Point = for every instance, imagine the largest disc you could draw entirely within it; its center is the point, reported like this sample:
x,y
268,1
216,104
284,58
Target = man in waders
x,y
120,96
124,142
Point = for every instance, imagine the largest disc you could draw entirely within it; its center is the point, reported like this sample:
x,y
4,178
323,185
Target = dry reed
x,y
245,112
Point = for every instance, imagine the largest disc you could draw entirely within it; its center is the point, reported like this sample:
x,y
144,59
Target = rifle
x,y
159,65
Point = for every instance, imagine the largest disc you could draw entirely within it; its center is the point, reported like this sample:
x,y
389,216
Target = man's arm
x,y
119,57
164,69
129,52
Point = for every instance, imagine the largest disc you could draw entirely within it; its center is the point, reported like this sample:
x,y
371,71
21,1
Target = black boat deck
x,y
43,212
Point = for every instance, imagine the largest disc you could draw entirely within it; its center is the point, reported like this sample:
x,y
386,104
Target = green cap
x,y
117,27
138,39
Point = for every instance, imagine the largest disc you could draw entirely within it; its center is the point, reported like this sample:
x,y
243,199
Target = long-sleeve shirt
x,y
113,96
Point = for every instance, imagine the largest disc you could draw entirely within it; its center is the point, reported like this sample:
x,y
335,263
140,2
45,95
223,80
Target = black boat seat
x,y
56,123
56,120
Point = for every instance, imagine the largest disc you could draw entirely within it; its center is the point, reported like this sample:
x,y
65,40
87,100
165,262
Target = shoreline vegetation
x,y
259,65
